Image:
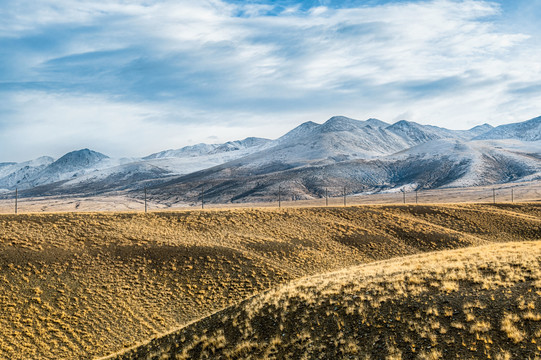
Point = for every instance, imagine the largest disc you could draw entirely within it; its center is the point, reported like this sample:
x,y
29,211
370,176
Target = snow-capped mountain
x,y
78,159
481,162
361,155
437,163
479,130
341,138
369,154
14,174
253,143
46,170
527,131
187,151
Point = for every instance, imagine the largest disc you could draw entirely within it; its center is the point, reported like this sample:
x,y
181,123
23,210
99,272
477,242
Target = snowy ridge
x,y
368,153
526,131
484,162
341,138
253,143
18,175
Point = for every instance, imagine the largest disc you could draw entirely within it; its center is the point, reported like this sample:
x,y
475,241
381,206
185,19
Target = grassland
x,y
83,285
476,303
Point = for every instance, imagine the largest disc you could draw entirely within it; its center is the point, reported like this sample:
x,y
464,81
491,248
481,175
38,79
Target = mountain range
x,y
364,156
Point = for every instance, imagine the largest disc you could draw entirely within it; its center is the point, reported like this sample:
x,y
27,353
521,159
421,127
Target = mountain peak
x,y
249,142
79,158
483,126
403,124
339,118
480,129
376,123
300,131
341,123
84,153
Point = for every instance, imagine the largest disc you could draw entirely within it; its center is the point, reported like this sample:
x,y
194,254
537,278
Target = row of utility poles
x,y
326,196
344,194
416,196
280,197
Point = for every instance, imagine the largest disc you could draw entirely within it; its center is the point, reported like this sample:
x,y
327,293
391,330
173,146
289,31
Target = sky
x,y
129,78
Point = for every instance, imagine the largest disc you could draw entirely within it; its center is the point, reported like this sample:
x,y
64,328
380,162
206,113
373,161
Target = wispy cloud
x,y
241,69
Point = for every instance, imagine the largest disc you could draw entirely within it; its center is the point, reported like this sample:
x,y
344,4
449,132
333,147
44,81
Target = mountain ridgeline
x,y
369,155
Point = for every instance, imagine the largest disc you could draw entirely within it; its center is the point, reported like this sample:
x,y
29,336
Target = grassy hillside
x,y
88,284
477,303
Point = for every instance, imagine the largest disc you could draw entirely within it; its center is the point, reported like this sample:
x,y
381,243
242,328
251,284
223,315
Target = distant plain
x,y
519,192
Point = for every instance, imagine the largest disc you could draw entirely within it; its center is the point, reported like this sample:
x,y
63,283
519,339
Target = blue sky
x,y
128,78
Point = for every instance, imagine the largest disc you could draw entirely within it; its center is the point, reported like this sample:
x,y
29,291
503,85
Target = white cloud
x,y
52,124
196,68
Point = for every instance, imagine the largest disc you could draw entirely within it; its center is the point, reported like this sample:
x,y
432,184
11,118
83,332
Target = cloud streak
x,y
256,69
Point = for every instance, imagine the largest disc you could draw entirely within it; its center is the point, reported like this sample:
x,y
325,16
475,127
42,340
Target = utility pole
x,y
404,195
512,196
345,196
16,199
279,196
494,196
326,197
202,198
416,197
145,200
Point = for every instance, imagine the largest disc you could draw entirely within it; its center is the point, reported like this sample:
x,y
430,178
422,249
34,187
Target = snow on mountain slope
x,y
6,164
416,134
483,162
75,160
160,167
376,123
434,164
187,151
479,130
359,153
529,130
70,165
180,166
15,175
526,147
435,148
118,177
339,138
89,168
45,170
253,143
85,166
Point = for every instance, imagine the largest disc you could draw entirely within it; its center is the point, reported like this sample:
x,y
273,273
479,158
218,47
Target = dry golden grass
x,y
81,285
395,309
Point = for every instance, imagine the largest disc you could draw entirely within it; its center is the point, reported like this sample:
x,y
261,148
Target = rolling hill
x,y
83,285
477,303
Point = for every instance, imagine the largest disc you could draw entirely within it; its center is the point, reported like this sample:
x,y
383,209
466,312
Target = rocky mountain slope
x,y
528,131
366,155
